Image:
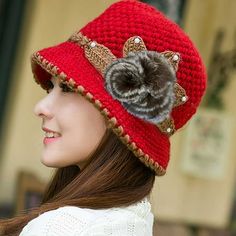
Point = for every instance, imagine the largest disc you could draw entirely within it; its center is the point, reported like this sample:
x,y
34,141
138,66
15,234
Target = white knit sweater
x,y
134,220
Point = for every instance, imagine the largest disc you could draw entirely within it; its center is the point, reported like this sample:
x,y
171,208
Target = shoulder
x,y
67,220
71,220
136,219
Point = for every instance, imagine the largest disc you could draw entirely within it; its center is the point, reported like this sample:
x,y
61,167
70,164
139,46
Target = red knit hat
x,y
138,68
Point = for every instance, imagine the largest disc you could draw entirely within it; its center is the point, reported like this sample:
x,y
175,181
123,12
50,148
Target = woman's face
x,y
76,124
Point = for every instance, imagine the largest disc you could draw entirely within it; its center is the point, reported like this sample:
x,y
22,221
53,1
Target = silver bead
x,y
168,130
184,99
93,44
137,40
175,57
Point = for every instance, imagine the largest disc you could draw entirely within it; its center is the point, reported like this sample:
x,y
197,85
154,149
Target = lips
x,y
49,131
51,135
50,140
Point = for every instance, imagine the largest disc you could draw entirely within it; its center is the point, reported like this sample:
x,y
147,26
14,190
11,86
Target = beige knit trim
x,y
112,121
180,95
173,58
98,55
133,44
167,126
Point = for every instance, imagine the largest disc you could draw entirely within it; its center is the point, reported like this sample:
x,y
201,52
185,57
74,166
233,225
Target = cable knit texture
x,y
134,220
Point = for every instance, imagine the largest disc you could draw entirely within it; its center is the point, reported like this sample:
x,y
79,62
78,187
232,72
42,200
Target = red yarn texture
x,y
112,28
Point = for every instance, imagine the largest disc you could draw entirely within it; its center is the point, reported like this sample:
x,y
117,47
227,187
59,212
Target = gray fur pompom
x,y
144,83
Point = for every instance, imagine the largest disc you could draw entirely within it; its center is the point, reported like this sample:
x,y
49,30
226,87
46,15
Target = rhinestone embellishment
x,y
93,44
137,40
175,57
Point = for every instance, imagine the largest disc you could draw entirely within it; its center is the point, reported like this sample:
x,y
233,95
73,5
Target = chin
x,y
49,162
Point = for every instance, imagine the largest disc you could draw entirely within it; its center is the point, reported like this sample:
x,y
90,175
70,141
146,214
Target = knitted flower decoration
x,y
143,81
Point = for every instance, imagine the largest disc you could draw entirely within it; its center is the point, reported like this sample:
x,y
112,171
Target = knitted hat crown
x,y
139,69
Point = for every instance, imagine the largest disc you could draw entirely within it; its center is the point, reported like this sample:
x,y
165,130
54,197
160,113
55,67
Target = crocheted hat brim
x,y
67,62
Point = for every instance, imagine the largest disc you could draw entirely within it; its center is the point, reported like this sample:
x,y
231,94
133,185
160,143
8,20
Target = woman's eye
x,y
65,88
49,87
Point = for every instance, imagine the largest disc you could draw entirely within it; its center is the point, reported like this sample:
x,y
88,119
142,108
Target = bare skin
x,y
79,125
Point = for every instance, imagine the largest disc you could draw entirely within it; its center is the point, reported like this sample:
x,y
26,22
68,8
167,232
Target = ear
x,y
173,58
133,44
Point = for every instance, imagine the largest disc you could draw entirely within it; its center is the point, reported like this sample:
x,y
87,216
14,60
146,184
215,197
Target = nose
x,y
43,108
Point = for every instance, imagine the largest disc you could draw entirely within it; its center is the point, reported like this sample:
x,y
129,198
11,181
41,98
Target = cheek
x,y
87,126
82,131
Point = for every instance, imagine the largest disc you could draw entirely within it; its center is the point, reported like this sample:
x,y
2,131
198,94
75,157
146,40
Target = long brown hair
x,y
113,177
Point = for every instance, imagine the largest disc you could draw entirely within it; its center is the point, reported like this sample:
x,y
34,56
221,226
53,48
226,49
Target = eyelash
x,y
64,88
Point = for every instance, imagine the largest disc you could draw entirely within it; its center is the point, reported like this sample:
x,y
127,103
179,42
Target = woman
x,y
117,90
